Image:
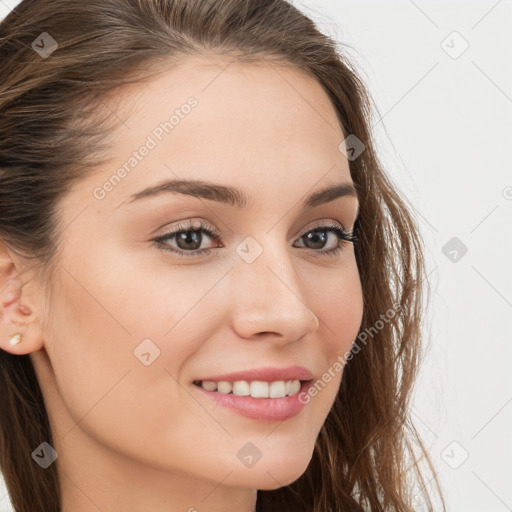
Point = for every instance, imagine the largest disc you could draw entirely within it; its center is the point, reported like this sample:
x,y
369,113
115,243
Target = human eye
x,y
319,235
188,238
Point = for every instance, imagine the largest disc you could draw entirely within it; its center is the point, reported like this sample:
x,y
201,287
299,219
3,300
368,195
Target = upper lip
x,y
266,374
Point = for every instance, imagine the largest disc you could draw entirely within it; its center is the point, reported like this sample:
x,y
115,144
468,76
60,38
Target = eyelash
x,y
343,236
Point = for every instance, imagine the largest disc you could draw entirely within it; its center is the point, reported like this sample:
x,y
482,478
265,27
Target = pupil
x,y
189,237
317,237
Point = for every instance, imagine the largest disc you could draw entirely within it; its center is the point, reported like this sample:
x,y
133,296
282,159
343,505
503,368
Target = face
x,y
139,315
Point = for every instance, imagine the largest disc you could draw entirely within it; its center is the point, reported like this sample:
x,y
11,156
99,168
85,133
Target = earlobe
x,y
19,325
15,338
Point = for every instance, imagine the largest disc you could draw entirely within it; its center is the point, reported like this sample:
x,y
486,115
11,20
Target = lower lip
x,y
261,409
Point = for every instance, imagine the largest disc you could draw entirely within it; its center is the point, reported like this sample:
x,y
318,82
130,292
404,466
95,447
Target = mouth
x,y
254,388
258,400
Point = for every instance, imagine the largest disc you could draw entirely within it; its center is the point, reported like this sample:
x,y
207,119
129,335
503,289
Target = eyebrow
x,y
236,197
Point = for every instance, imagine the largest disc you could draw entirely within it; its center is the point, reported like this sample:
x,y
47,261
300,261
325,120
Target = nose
x,y
269,301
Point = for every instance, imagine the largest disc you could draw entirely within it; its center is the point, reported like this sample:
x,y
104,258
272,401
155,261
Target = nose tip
x,y
273,309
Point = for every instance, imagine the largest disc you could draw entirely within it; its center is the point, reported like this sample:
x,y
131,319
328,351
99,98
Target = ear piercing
x,y
15,338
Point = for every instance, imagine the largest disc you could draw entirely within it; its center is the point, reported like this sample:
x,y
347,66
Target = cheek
x,y
89,343
338,303
108,317
343,316
105,389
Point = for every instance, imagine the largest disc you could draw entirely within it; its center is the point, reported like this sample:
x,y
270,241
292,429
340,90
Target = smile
x,y
255,388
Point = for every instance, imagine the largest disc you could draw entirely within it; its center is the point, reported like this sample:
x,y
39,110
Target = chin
x,y
277,471
271,484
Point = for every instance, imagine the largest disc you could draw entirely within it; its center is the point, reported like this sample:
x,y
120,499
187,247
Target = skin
x,y
134,437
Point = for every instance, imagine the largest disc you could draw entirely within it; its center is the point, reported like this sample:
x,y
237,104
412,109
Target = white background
x,y
445,137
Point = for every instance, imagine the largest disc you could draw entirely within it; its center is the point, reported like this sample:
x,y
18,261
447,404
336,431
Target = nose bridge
x,y
269,297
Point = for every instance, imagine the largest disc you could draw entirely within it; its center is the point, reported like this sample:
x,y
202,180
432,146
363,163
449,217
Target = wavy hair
x,y
367,455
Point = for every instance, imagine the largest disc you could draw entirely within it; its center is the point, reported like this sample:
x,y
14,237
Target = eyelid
x,y
323,223
202,225
191,224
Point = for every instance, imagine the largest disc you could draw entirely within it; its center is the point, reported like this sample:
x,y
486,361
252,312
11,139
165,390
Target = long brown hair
x,y
368,453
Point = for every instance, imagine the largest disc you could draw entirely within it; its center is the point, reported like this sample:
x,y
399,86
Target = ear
x,y
19,308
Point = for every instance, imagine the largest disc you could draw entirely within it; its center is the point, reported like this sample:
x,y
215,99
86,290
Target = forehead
x,y
221,82
232,122
252,103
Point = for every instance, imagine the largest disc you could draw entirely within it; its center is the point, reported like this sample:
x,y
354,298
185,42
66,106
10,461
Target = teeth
x,y
294,387
277,389
241,388
224,387
256,388
259,389
209,385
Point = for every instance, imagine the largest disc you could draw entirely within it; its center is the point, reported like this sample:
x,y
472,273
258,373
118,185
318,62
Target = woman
x,y
211,292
